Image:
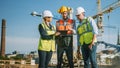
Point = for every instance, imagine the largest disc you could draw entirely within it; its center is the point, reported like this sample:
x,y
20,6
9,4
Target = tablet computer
x,y
63,32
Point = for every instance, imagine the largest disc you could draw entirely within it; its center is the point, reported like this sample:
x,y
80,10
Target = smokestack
x,y
3,33
118,40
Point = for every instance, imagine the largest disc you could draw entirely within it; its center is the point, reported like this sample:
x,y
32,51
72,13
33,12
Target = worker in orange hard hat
x,y
66,27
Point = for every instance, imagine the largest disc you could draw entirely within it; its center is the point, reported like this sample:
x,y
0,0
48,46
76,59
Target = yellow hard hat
x,y
64,9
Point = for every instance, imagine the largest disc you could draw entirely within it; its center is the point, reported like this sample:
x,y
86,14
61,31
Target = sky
x,y
22,28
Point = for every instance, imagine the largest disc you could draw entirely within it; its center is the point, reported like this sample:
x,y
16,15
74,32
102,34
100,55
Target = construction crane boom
x,y
100,12
108,9
111,7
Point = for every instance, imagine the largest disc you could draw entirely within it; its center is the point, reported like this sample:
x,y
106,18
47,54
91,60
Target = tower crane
x,y
34,13
99,17
100,13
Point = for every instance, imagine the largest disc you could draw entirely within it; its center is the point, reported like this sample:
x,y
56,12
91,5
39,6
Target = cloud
x,y
27,44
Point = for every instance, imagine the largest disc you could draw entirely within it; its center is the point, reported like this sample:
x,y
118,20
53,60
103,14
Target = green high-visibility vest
x,y
85,32
44,44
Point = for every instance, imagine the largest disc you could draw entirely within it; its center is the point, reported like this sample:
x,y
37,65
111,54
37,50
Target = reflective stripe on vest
x,y
65,25
85,32
47,45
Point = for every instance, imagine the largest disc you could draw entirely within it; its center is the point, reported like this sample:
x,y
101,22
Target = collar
x,y
82,21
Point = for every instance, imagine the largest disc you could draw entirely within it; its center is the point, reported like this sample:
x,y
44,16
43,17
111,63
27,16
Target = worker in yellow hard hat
x,y
64,9
64,41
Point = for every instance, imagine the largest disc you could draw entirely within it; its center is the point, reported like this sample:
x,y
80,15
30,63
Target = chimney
x,y
3,33
118,40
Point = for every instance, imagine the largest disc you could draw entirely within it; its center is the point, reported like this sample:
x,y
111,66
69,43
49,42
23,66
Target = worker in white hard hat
x,y
66,27
47,39
86,32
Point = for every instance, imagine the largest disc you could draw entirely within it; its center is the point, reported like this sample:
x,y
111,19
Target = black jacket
x,y
43,32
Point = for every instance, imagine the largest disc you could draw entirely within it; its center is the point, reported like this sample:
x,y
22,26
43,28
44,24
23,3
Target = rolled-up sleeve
x,y
94,26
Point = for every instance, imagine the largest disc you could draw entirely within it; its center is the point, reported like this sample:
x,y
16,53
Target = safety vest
x,y
85,32
44,44
63,26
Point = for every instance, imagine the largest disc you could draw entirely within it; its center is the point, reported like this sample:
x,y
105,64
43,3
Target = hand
x,y
57,33
70,28
90,46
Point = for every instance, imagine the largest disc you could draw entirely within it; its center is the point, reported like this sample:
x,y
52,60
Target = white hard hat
x,y
47,13
80,10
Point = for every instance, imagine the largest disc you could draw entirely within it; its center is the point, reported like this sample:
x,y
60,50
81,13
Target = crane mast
x,y
100,12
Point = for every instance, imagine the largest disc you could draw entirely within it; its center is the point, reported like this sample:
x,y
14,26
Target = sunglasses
x,y
77,15
48,17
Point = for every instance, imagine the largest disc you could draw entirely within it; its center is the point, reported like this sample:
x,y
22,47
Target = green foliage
x,y
3,58
17,57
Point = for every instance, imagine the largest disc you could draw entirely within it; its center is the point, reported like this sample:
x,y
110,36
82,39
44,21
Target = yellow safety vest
x,y
47,45
85,32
